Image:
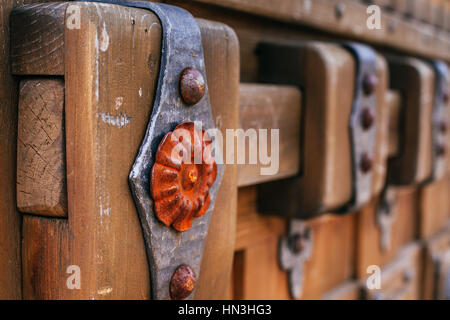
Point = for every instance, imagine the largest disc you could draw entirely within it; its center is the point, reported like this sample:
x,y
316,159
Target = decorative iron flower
x,y
179,186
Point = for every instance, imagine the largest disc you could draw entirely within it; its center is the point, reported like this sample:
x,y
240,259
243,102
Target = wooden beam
x,y
41,170
221,52
271,107
396,32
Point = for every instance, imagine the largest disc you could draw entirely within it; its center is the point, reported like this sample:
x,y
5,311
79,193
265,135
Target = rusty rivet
x,y
339,10
191,85
440,150
408,275
182,283
366,163
296,243
367,118
443,127
370,81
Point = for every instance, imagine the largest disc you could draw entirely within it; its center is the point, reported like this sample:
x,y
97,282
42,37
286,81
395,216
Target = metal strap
x,y
439,118
362,139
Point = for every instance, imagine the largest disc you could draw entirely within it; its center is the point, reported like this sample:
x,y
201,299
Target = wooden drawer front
x,y
437,266
256,272
434,207
402,230
401,278
81,124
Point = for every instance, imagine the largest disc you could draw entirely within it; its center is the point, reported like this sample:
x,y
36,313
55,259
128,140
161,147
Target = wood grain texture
x,y
422,10
333,245
253,228
41,170
415,80
401,278
271,107
436,264
404,230
109,86
256,271
251,30
10,220
257,275
396,31
434,207
38,39
221,52
438,12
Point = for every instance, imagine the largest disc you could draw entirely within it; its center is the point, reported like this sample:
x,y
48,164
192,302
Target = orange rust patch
x,y
178,185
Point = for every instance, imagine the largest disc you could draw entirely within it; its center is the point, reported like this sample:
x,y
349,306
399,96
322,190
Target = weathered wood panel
x,y
104,129
349,18
271,107
257,274
434,207
38,39
41,170
221,51
403,230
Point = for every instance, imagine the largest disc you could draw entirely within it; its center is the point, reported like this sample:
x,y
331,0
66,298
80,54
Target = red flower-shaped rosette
x,y
179,186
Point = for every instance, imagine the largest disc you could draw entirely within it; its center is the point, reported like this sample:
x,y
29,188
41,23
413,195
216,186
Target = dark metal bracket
x,y
440,118
167,249
362,125
294,250
385,216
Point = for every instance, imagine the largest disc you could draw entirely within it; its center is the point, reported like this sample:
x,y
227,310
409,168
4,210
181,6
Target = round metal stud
x,y
191,85
182,283
367,118
370,81
366,163
440,150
